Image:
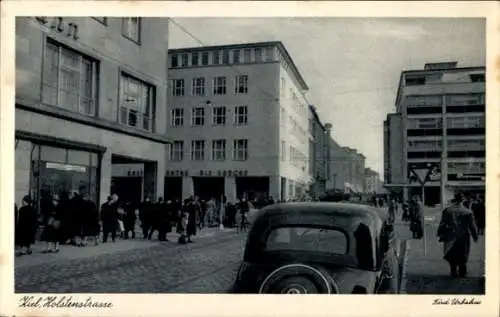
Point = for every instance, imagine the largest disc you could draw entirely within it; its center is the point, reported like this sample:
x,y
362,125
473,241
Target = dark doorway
x,y
173,188
127,188
208,187
252,187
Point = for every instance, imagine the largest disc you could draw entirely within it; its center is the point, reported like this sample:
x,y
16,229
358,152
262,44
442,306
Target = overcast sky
x,y
352,65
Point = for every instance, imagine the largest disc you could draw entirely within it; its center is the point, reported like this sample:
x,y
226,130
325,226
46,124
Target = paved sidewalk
x,y
428,272
71,252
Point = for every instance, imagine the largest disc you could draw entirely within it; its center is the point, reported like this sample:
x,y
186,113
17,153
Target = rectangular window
x,y
219,150
241,115
465,100
424,145
241,84
269,54
219,84
219,115
195,58
216,58
178,87
283,87
198,150
240,150
199,86
470,144
327,241
283,150
424,101
177,151
225,57
131,28
466,122
137,103
236,56
198,116
69,80
185,60
424,123
204,58
174,60
177,117
258,55
247,55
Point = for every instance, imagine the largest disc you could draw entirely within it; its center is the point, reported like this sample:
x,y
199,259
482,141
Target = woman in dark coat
x,y
27,224
91,227
129,219
416,224
193,209
52,230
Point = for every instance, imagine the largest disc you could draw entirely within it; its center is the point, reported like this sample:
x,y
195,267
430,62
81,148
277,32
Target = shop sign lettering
x,y
135,173
59,25
66,167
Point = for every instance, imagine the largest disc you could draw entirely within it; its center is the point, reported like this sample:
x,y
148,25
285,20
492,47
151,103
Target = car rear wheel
x,y
298,279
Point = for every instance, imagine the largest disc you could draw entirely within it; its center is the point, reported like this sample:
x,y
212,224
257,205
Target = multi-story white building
x,y
90,94
238,119
441,122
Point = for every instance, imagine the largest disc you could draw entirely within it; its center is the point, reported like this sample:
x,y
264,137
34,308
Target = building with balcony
x,y
439,121
318,153
90,94
238,117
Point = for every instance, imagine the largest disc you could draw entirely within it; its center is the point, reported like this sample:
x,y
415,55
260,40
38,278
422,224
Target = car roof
x,y
327,208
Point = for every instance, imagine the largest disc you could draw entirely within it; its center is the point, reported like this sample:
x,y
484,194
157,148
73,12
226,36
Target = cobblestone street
x,y
206,266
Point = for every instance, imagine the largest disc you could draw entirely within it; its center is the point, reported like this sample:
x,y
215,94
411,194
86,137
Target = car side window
x,y
307,239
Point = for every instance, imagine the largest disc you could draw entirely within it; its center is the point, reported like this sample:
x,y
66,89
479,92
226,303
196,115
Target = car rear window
x,y
307,239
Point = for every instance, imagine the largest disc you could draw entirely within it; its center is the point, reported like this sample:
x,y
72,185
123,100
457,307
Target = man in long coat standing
x,y
455,229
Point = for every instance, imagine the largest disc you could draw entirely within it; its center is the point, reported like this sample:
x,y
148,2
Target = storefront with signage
x,y
46,167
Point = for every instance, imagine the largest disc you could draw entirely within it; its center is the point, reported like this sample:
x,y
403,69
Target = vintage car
x,y
319,248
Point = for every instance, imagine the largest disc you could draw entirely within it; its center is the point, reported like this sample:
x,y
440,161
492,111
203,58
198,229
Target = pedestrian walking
x,y
91,227
157,215
51,233
244,209
184,220
416,218
27,225
392,210
210,212
145,216
129,219
455,230
479,211
109,218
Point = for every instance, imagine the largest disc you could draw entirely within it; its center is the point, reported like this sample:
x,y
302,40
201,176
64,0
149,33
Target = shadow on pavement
x,y
432,284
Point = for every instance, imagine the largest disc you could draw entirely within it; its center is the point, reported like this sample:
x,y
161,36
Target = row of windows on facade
x,y
452,144
223,57
462,122
450,100
290,121
240,150
297,158
219,116
70,81
199,86
131,27
436,78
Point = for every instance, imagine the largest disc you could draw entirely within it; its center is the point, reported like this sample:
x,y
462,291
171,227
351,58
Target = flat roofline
x,y
429,71
277,44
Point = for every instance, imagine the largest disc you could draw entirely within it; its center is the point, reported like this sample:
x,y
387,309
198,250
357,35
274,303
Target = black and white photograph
x,y
250,155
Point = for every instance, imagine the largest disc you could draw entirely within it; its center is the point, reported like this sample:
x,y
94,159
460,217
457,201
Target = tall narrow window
x,y
198,150
219,85
177,151
199,86
177,87
236,56
198,116
69,80
283,150
174,60
177,117
219,115
185,60
241,115
258,55
283,87
240,150
131,28
219,150
204,58
225,57
247,55
241,84
216,58
136,103
195,58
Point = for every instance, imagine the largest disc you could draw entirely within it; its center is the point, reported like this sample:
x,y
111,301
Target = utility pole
x,y
444,155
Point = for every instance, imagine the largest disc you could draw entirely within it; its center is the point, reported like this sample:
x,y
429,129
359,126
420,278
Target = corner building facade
x,y
440,121
238,120
90,94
